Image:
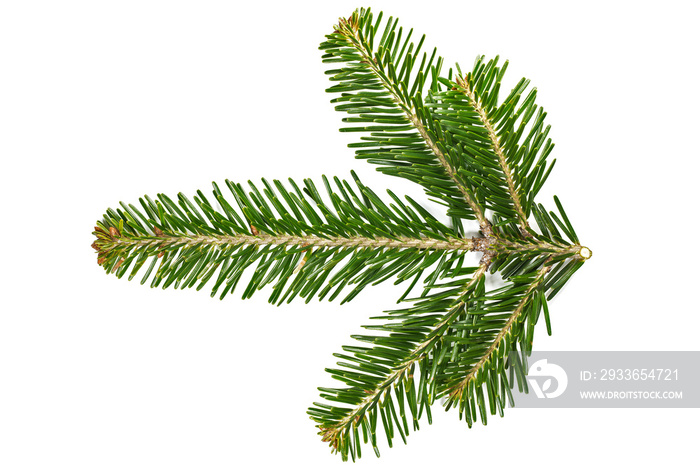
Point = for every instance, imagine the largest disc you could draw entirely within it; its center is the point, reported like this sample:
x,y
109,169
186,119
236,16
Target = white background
x,y
106,101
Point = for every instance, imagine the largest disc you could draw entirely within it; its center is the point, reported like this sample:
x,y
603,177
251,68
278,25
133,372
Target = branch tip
x,y
585,253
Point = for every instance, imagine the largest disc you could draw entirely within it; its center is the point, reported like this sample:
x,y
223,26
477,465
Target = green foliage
x,y
201,241
483,158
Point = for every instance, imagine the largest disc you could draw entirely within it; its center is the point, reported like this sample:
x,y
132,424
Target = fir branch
x,y
501,159
431,326
457,391
470,153
380,69
463,85
412,116
297,241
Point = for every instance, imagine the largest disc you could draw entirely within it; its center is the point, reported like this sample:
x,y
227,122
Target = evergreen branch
x,y
395,109
470,153
382,367
497,149
500,324
501,158
296,239
457,391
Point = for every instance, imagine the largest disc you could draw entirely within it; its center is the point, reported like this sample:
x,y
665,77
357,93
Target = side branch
x,y
350,29
497,149
330,434
458,389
